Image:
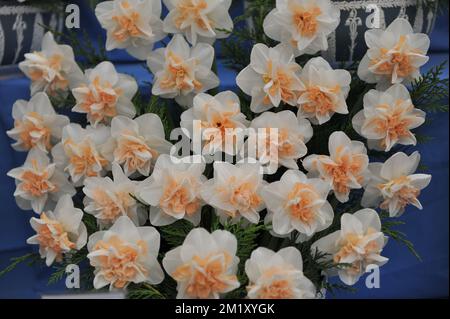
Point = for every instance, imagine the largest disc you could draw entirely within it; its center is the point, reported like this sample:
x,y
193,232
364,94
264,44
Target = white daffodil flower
x,y
52,70
277,275
235,191
39,184
36,124
325,91
219,121
125,254
357,244
59,231
136,144
205,265
281,138
345,168
107,199
78,153
105,94
388,118
395,55
296,202
181,71
394,185
173,191
199,20
134,25
302,24
271,78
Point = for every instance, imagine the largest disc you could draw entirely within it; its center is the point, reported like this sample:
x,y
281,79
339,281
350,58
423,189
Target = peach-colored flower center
x,y
36,184
395,124
205,275
306,21
101,103
300,200
223,122
218,127
340,172
55,64
134,152
281,141
407,194
244,196
32,131
319,101
192,10
285,148
398,61
52,235
126,26
351,241
404,67
281,82
178,199
122,264
112,209
278,289
178,75
85,159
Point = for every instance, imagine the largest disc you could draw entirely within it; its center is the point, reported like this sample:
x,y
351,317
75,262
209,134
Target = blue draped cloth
x,y
402,277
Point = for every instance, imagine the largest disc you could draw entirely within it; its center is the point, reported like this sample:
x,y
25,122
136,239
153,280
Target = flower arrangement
x,y
114,197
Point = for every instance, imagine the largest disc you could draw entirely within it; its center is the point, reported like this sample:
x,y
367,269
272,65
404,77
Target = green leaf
x,y
430,92
31,258
144,291
175,233
387,227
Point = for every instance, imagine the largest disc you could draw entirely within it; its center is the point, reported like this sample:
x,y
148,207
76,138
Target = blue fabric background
x,y
403,277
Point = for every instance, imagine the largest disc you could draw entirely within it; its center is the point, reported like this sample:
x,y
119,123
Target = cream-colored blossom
x,y
181,71
78,153
235,191
173,190
199,20
345,168
205,265
134,25
125,254
358,243
271,78
39,184
393,184
395,55
59,231
302,24
36,124
136,144
52,70
296,202
277,275
388,118
218,120
105,94
107,199
325,91
280,138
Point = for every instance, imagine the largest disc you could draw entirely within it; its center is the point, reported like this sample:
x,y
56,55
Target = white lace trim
x,y
362,4
10,10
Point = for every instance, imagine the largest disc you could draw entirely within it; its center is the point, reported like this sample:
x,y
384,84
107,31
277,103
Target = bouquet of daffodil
x,y
277,188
